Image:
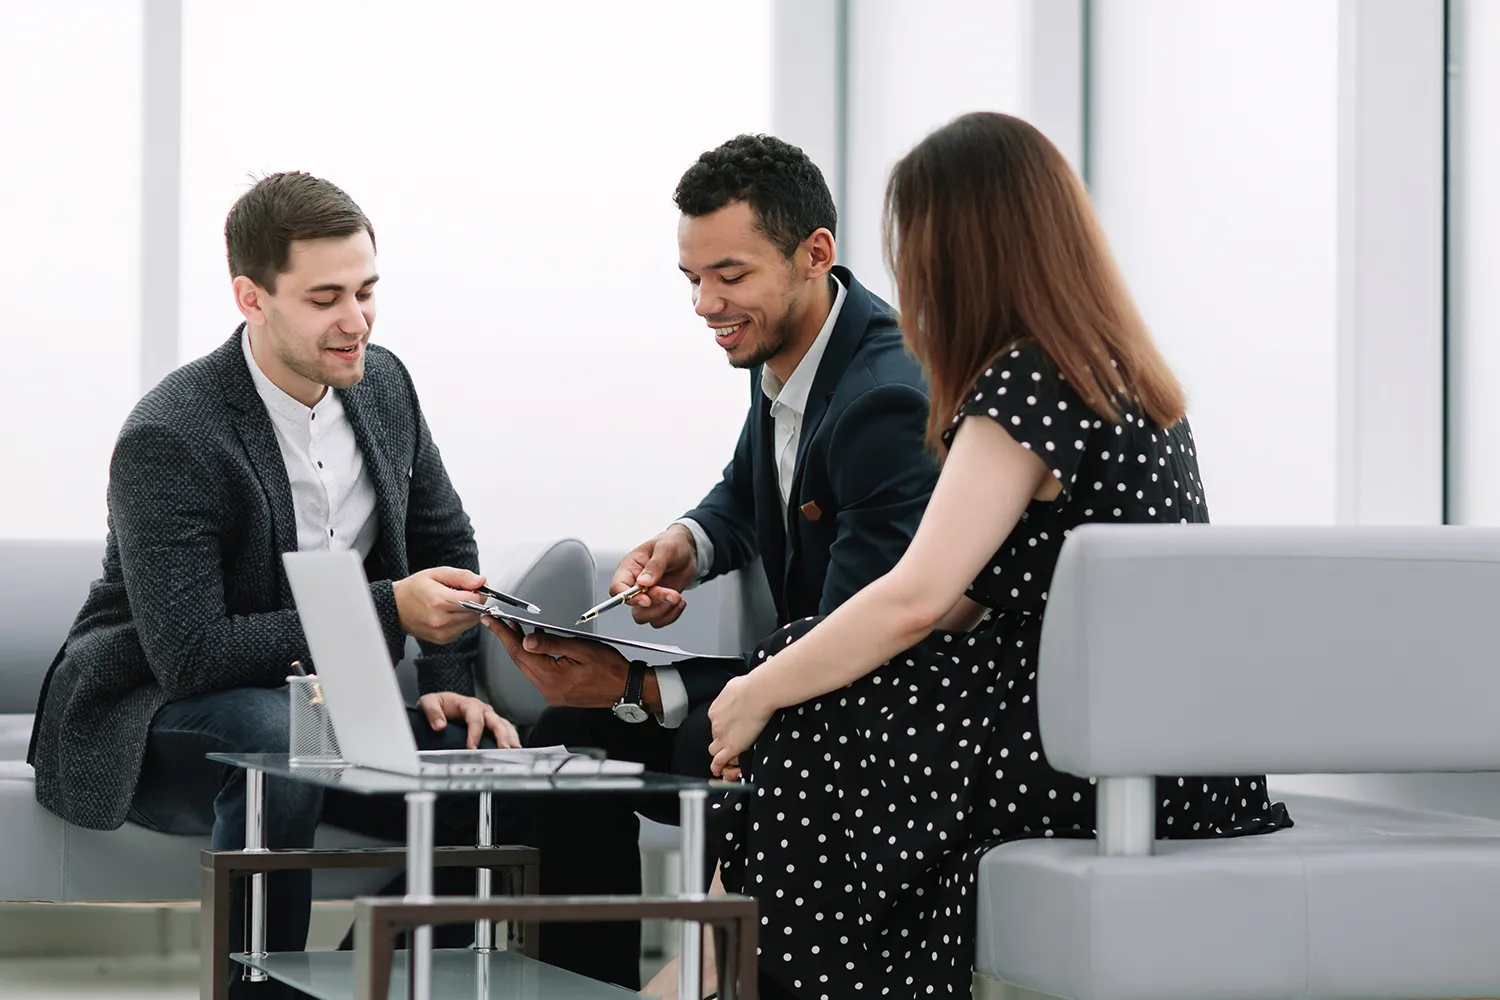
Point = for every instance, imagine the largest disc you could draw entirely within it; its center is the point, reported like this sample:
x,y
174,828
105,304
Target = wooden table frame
x,y
378,922
218,871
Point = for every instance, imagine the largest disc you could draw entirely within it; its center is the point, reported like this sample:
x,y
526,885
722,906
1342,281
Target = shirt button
x,y
320,465
330,532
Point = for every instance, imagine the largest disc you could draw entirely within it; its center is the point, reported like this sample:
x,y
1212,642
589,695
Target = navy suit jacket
x,y
863,477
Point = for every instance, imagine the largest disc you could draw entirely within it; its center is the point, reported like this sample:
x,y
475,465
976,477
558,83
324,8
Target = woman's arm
x,y
962,617
986,483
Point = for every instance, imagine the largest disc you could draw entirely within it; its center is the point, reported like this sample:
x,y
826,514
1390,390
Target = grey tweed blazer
x,y
194,599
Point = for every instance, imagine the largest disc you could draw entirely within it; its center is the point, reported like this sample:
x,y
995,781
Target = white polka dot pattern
x,y
874,803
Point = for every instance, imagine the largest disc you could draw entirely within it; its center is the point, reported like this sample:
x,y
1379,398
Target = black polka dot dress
x,y
874,803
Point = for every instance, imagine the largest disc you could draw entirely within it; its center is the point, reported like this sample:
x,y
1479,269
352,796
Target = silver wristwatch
x,y
630,707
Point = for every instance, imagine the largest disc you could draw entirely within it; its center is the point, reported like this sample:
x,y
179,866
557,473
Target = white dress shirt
x,y
788,405
332,493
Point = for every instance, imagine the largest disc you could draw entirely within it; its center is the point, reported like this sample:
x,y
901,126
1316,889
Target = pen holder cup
x,y
312,737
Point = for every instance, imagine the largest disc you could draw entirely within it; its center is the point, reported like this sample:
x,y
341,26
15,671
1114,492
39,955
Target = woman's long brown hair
x,y
992,240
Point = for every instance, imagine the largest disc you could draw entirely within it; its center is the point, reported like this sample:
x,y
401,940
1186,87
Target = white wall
x,y
912,68
1213,161
70,262
1474,264
518,162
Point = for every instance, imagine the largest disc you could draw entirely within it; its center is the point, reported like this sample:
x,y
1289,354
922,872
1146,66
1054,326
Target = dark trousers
x,y
589,842
182,792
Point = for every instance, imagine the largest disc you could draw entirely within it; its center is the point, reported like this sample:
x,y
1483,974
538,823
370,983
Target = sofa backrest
x,y
730,614
42,587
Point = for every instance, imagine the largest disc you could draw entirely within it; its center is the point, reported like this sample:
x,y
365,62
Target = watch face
x,y
630,713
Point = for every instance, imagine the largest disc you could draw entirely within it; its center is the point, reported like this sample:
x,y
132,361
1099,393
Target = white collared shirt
x,y
332,493
789,402
788,406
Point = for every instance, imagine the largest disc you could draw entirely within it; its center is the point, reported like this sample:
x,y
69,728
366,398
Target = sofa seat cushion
x,y
15,736
47,859
1354,901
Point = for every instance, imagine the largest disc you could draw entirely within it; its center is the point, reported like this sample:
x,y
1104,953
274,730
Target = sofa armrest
x,y
1197,649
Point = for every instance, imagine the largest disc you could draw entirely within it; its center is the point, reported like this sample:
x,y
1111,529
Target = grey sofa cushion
x,y
44,584
558,577
47,859
1171,649
15,734
42,587
1354,901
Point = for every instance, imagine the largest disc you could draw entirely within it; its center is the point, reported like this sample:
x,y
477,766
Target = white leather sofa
x,y
1217,650
1331,651
42,586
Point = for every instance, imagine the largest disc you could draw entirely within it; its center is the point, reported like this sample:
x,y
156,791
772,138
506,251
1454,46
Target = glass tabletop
x,y
544,778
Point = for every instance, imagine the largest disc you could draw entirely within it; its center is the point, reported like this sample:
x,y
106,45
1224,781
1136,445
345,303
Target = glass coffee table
x,y
374,971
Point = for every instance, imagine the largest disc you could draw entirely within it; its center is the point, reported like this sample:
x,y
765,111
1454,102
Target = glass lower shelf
x,y
457,974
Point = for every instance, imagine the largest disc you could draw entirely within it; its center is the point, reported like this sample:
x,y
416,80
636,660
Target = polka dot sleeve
x,y
1025,393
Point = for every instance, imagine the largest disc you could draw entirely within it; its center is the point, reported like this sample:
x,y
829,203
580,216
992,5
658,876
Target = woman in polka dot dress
x,y
894,741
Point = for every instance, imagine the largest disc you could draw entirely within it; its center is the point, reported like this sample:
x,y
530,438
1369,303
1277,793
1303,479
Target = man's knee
x,y
240,720
293,810
561,726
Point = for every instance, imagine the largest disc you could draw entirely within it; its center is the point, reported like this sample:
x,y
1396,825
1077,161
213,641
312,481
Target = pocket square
x,y
811,510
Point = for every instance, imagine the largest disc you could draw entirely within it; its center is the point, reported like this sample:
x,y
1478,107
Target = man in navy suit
x,y
826,486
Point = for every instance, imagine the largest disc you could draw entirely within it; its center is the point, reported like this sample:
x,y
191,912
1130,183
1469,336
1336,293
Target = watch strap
x,y
635,683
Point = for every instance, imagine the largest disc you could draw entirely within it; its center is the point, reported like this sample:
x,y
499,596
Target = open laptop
x,y
362,693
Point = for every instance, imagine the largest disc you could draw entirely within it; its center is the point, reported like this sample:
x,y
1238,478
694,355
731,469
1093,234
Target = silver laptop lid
x,y
349,652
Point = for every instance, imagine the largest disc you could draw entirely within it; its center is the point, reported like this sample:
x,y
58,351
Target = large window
x,y
70,197
518,162
1473,263
911,70
1213,160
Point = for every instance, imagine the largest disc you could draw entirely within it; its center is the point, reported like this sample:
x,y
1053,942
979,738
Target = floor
x,y
153,976
103,952
154,954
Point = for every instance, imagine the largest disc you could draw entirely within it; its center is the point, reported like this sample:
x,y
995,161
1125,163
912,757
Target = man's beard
x,y
314,370
769,347
776,340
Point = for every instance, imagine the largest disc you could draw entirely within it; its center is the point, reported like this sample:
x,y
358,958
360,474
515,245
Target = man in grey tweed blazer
x,y
184,644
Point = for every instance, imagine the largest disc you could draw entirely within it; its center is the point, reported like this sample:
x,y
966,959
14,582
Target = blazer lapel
x,y
252,425
770,526
390,498
843,344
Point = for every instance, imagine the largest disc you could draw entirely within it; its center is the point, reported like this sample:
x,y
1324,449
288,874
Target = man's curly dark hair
x,y
784,188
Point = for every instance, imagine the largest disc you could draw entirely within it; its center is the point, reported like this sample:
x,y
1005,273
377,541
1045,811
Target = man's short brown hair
x,y
280,210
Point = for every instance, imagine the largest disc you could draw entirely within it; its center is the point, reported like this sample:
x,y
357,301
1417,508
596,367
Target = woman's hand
x,y
737,717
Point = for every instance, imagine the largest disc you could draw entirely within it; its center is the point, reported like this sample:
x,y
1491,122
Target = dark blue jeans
x,y
182,792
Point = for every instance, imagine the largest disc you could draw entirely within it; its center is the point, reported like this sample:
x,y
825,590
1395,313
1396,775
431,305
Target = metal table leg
x,y
419,844
484,930
690,951
255,840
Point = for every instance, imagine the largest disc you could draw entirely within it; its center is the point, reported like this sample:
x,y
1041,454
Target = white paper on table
x,y
529,761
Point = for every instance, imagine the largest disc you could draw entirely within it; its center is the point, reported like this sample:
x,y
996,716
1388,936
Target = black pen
x,y
507,599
